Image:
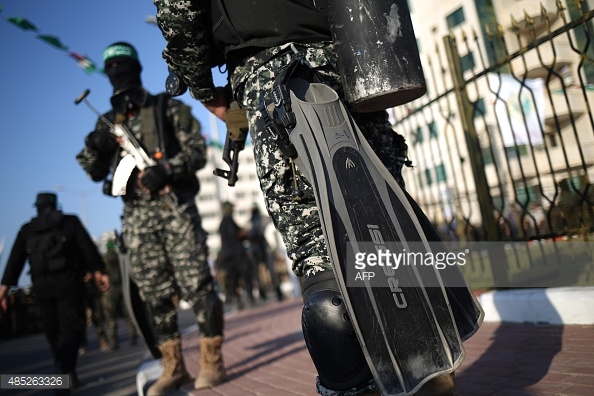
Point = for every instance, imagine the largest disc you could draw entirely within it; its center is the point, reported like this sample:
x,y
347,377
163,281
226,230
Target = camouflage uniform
x,y
113,300
167,253
298,222
94,307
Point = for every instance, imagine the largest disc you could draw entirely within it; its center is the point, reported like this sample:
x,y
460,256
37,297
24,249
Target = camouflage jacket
x,y
184,26
187,154
112,265
194,47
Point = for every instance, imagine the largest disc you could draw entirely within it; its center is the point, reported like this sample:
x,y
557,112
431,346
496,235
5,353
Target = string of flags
x,y
81,60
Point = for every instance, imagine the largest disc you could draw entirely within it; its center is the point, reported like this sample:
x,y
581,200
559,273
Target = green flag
x,y
53,41
22,23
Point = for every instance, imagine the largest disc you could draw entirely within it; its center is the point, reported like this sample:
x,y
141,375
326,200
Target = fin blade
x,y
354,190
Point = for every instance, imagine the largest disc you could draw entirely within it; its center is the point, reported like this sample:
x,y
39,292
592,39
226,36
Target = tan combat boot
x,y
174,369
444,385
212,370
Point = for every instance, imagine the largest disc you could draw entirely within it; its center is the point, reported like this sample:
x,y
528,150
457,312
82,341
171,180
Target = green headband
x,y
119,50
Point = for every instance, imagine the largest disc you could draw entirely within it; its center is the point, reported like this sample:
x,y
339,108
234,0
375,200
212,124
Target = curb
x,y
556,306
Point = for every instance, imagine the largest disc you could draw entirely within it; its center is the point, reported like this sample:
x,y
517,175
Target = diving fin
x,y
409,325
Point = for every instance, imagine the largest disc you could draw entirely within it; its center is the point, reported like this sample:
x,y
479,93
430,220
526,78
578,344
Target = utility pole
x,y
83,200
497,256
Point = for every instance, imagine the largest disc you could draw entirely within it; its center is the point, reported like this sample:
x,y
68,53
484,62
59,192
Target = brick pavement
x,y
265,355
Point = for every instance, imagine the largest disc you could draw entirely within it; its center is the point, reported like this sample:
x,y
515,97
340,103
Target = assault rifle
x,y
237,127
129,143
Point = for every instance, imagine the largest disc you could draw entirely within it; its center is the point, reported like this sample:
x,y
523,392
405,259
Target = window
x,y
467,62
487,156
208,215
479,108
487,17
432,130
583,35
428,177
512,152
526,194
441,173
418,136
455,18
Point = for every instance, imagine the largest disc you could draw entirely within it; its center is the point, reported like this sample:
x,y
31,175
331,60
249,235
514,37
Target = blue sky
x,y
41,129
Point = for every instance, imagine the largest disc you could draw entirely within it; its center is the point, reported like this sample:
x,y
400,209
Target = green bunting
x,y
82,61
53,41
22,23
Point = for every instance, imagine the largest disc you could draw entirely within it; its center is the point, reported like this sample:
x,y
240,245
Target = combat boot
x,y
212,370
174,369
444,385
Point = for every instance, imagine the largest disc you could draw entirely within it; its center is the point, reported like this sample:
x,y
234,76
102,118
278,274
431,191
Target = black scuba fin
x,y
409,325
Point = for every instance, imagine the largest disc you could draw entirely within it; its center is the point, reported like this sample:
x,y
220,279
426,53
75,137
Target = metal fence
x,y
503,146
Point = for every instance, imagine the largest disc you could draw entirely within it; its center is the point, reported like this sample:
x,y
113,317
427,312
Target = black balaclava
x,y
123,69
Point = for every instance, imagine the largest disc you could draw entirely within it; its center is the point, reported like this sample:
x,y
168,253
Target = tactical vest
x,y
237,27
157,133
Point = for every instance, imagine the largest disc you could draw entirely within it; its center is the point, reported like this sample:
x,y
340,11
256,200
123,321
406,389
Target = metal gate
x,y
503,148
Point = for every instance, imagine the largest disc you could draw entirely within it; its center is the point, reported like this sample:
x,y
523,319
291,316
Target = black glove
x,y
102,141
154,178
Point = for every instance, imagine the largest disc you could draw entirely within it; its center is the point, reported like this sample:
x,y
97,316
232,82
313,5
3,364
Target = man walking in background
x,y
60,252
94,314
234,260
260,254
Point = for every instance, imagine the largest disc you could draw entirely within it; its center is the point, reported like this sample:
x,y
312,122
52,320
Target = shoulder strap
x,y
278,117
298,67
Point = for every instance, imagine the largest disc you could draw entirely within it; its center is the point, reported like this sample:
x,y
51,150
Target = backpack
x,y
262,24
45,245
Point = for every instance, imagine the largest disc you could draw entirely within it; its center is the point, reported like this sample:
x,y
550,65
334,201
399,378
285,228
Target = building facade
x,y
506,125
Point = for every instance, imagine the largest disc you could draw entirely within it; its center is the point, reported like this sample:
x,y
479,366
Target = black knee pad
x,y
330,336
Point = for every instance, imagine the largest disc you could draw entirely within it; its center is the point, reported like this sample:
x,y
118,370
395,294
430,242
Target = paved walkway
x,y
265,355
